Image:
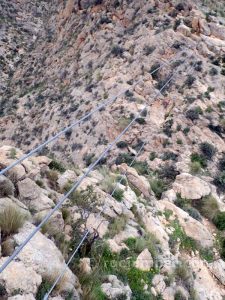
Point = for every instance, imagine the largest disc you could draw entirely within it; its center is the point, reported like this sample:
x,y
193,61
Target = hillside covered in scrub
x,y
154,206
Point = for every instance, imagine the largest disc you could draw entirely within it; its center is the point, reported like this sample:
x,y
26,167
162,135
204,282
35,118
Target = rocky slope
x,y
161,235
138,248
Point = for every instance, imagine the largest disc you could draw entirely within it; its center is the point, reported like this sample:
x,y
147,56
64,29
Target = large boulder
x,y
7,158
218,31
128,232
159,283
114,288
191,187
218,269
200,25
55,223
153,225
205,286
186,31
99,223
44,257
144,261
68,176
192,227
33,196
17,276
139,182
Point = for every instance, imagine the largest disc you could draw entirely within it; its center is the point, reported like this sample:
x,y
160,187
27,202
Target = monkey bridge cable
x,y
79,181
87,232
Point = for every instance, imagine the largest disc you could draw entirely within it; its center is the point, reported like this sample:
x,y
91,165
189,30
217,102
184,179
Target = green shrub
x,y
179,296
207,150
140,121
192,114
195,167
219,182
3,291
221,164
39,183
207,254
186,242
88,159
181,202
117,51
152,156
121,144
221,245
83,198
12,153
194,213
184,276
190,80
209,109
141,167
200,159
121,179
55,165
208,207
186,130
168,155
109,181
124,158
118,194
65,214
168,173
219,220
158,186
117,225
52,176
6,187
137,245
11,219
43,288
148,49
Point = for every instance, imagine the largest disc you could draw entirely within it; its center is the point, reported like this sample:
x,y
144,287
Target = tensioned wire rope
x,y
87,232
78,122
76,184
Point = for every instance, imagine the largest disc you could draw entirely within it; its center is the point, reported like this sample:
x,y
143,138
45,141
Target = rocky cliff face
x,y
161,235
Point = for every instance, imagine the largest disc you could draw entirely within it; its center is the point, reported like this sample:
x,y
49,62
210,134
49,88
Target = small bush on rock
x,y
117,51
179,296
200,159
219,182
118,194
43,289
121,144
192,114
207,150
3,291
219,220
195,167
158,187
194,213
55,165
6,187
168,173
11,219
221,164
209,207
